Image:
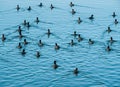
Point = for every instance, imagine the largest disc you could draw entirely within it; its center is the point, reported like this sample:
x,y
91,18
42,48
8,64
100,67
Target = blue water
x,y
97,67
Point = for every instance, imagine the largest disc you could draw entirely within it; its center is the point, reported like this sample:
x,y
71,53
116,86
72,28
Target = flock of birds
x,y
56,46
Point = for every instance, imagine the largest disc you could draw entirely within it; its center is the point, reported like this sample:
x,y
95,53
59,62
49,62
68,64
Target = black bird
x,y
55,66
76,71
91,17
3,37
18,7
113,14
71,4
40,5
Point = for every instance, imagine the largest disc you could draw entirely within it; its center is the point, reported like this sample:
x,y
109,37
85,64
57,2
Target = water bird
x,y
25,23
73,11
72,43
3,37
40,5
91,17
18,7
76,71
90,41
74,34
38,54
29,8
116,21
79,20
37,20
19,29
57,47
28,24
113,14
71,4
108,48
108,30
48,32
40,43
51,6
19,46
25,42
23,52
79,38
111,40
55,66
20,35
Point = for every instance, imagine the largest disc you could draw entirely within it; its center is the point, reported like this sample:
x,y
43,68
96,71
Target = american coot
x,y
108,30
71,43
51,6
23,52
79,38
73,11
113,14
25,42
40,43
91,17
90,41
108,48
29,8
38,54
37,20
40,5
3,37
116,21
76,71
79,20
19,46
56,46
18,7
71,4
55,66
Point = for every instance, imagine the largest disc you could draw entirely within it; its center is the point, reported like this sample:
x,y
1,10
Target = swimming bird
x,y
3,37
48,32
74,34
90,41
111,40
29,8
71,43
40,43
113,14
25,42
38,54
108,30
79,20
20,35
23,52
56,46
25,23
19,46
116,21
28,25
19,29
79,38
40,5
76,71
108,48
91,17
55,66
51,6
73,11
71,4
37,20
18,7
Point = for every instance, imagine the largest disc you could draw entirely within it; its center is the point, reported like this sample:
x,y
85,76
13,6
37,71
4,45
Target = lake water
x,y
97,67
